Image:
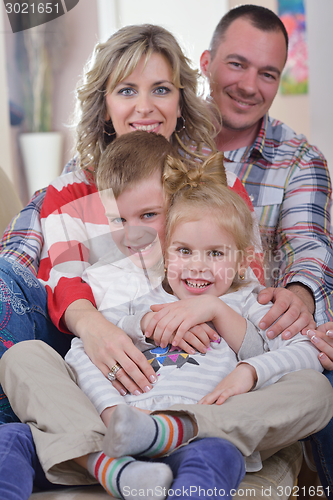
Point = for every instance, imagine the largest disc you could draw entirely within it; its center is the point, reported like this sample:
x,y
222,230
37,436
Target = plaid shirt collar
x,y
262,145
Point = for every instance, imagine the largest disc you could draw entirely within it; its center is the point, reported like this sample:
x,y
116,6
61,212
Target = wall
x,y
191,21
77,34
5,142
320,15
82,34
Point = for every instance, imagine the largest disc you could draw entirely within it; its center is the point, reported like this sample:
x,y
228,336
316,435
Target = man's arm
x,y
303,244
303,233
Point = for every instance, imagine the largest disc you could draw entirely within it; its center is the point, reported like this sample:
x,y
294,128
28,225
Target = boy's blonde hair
x,y
132,158
195,192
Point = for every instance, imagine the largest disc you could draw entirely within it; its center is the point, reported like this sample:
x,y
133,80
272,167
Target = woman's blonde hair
x,y
195,192
113,61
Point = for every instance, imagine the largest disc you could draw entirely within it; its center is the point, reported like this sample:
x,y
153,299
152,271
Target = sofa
x,y
278,476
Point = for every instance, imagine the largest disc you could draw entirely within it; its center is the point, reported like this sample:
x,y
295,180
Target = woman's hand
x,y
182,324
106,345
239,381
322,338
289,309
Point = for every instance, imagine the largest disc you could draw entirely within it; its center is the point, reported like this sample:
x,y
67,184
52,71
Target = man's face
x,y
245,73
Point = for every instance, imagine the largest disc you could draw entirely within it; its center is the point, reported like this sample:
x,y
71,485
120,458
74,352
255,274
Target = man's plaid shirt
x,y
289,185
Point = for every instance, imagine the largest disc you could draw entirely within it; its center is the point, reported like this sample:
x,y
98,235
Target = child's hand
x,y
183,324
239,381
145,321
196,339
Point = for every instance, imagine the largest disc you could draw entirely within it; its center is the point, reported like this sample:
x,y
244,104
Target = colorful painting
x,y
295,76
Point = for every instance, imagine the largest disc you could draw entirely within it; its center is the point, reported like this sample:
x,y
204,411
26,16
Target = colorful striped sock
x,y
120,476
170,432
132,432
108,470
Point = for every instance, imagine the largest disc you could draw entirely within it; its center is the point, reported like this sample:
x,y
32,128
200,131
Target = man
x,y
286,178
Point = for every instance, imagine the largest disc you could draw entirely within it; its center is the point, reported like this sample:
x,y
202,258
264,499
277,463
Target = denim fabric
x,y
322,450
23,316
17,462
209,467
20,469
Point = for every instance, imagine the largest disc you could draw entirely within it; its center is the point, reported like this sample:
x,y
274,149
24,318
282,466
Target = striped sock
x,y
107,471
170,432
132,432
120,476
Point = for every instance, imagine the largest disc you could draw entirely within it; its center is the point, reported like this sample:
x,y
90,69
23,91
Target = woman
x,y
170,108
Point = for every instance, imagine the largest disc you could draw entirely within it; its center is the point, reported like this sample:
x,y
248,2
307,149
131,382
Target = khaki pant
x,y
42,391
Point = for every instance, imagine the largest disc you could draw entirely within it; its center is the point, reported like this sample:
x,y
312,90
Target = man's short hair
x,y
260,17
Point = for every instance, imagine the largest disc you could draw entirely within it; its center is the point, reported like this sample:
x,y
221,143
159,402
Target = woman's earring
x,y
109,125
184,123
241,276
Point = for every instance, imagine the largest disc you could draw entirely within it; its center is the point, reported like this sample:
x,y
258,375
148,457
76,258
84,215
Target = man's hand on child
x,y
289,311
240,380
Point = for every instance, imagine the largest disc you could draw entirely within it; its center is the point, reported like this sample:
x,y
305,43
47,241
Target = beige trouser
x,y
42,391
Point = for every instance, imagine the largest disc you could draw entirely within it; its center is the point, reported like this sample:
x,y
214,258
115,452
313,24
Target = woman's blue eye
x,y
126,92
162,90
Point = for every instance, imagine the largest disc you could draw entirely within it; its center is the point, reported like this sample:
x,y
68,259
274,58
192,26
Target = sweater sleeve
x,y
73,220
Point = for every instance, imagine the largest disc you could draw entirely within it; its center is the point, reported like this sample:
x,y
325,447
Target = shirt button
x,y
251,197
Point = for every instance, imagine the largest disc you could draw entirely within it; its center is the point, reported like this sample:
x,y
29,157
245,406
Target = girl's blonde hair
x,y
113,61
195,192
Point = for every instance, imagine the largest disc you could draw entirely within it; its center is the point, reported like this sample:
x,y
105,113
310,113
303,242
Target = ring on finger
x,y
113,372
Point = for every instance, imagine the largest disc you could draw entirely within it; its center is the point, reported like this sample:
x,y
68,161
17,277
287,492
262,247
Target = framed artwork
x,y
295,75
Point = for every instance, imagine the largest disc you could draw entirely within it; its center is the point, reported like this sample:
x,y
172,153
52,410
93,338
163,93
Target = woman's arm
x,y
74,225
106,345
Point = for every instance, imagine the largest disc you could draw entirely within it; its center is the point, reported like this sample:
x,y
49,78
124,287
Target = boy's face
x,y
137,220
202,258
